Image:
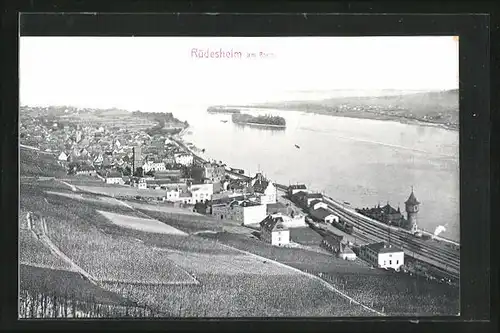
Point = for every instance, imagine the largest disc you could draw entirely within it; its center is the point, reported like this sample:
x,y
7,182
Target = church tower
x,y
412,206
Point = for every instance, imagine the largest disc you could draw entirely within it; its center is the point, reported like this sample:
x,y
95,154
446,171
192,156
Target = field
x,y
116,190
186,223
142,224
382,289
245,295
305,236
63,283
302,259
206,278
385,292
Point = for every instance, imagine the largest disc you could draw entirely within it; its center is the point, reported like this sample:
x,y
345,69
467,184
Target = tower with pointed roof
x,y
412,207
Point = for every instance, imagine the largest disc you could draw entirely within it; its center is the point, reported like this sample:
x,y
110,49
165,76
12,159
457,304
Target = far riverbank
x,y
360,115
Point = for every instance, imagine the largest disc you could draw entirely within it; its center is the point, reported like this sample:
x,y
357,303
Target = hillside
x,y
437,107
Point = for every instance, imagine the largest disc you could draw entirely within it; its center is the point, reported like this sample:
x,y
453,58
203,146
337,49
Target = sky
x,y
142,73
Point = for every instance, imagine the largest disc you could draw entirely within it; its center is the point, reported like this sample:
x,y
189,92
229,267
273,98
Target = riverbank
x,y
360,115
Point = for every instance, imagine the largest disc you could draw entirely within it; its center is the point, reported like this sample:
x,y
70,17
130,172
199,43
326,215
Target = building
x,y
172,193
273,231
153,166
201,192
114,177
412,207
293,189
142,184
243,211
183,159
323,215
383,255
85,169
63,157
316,204
346,253
386,214
304,199
264,189
211,171
168,173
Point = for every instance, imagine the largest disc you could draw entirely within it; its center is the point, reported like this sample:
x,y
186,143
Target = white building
x,y
244,211
153,166
273,230
172,193
183,159
114,178
324,215
317,204
142,184
346,253
264,189
62,156
383,255
202,192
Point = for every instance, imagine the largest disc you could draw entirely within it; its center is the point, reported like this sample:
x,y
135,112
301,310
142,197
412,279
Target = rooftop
x,y
382,247
320,213
273,222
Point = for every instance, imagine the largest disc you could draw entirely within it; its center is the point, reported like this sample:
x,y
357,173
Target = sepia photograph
x,y
239,177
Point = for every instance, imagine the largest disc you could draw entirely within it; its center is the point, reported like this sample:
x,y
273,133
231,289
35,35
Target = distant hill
x,y
440,107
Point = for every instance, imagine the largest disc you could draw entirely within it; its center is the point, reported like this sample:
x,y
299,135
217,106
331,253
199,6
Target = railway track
x,y
442,260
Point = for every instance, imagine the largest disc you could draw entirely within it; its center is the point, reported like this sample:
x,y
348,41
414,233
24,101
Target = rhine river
x,y
360,161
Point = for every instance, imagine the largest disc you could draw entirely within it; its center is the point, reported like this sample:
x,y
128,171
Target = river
x,y
359,161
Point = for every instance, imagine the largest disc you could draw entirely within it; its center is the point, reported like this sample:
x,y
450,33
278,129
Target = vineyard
x,y
32,251
385,292
245,295
35,163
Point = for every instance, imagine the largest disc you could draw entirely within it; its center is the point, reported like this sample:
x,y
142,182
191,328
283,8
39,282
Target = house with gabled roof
x,y
323,215
273,230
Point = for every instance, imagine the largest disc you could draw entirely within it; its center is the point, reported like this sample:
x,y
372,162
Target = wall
x,y
281,237
254,214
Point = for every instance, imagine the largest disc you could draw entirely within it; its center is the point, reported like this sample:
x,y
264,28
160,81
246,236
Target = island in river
x,y
262,120
426,108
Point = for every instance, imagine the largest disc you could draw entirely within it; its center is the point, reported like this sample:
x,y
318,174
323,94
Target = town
x,y
161,168
134,164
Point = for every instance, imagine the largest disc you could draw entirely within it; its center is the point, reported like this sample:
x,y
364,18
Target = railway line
x,y
442,259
